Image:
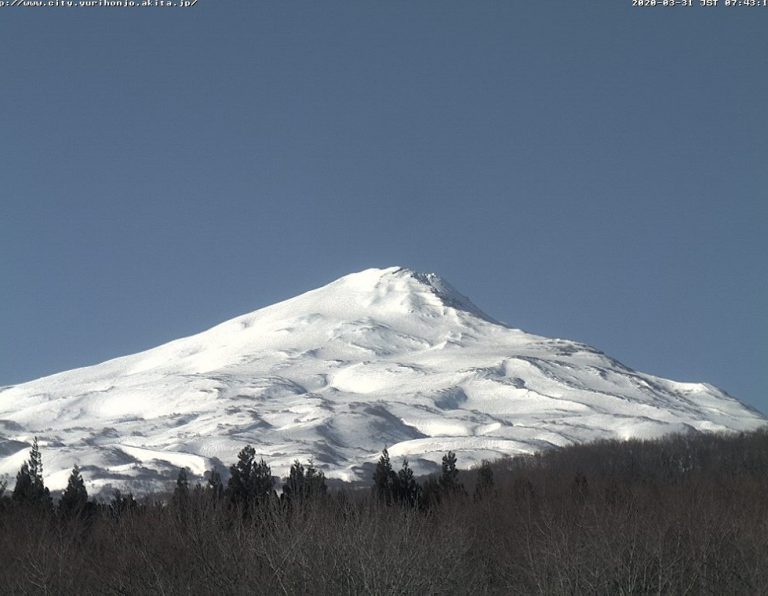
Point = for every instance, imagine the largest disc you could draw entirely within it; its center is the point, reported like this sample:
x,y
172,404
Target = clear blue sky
x,y
579,168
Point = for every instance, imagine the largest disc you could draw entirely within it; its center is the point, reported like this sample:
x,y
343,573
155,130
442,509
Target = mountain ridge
x,y
383,357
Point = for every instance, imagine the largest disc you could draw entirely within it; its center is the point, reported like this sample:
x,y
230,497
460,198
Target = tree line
x,y
251,484
683,514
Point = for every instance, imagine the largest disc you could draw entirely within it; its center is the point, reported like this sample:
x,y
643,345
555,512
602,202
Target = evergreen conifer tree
x,y
304,483
449,476
23,490
249,481
408,488
315,481
75,498
30,488
262,481
241,476
293,488
385,479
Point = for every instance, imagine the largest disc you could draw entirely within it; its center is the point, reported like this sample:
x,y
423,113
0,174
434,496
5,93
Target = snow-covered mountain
x,y
384,357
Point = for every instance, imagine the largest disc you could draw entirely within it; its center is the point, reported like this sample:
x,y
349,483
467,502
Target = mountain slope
x,y
384,357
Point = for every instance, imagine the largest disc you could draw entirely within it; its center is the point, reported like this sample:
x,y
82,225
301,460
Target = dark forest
x,y
683,514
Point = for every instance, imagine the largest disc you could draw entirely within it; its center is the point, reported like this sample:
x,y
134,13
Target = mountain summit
x,y
384,357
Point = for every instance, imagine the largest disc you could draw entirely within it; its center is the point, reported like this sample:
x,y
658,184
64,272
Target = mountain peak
x,y
408,288
383,357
